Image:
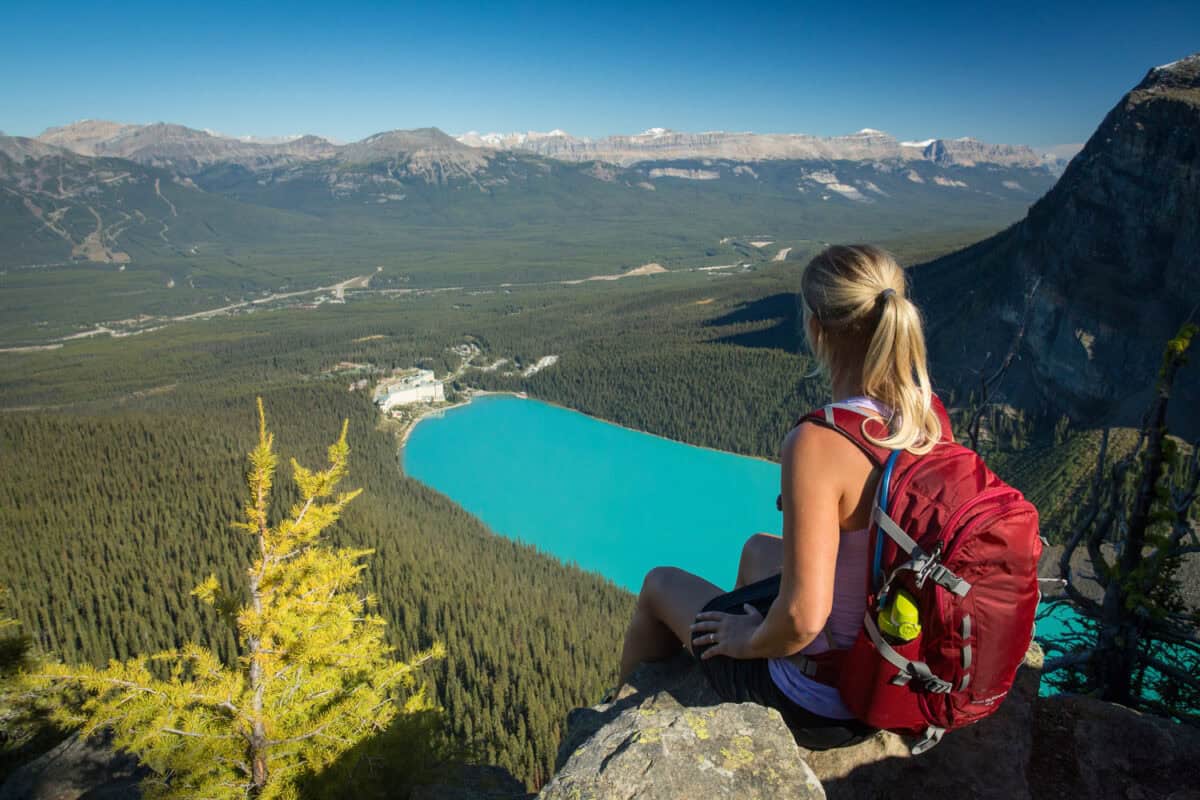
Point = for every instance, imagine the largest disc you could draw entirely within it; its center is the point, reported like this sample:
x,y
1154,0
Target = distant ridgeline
x,y
161,219
1099,275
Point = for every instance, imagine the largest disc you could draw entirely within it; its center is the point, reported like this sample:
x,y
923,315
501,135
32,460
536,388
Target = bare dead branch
x,y
193,734
1171,671
1071,659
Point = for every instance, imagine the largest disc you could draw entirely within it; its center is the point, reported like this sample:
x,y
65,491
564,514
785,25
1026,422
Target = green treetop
x,y
313,678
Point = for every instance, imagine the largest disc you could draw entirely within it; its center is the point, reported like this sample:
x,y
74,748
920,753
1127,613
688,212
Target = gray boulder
x,y
667,736
77,768
1083,747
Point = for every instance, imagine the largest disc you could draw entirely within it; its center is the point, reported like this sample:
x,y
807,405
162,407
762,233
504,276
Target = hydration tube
x,y
884,485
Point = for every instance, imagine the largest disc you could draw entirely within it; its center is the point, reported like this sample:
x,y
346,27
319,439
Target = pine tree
x,y
313,676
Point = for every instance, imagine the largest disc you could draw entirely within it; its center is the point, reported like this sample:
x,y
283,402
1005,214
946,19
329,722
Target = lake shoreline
x,y
437,410
431,412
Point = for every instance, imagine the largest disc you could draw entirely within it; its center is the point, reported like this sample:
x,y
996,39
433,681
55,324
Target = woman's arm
x,y
811,488
811,510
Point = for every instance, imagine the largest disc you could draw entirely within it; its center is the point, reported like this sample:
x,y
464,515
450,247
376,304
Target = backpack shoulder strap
x,y
853,423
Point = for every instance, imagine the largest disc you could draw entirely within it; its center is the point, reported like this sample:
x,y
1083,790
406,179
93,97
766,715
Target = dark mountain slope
x,y
1101,272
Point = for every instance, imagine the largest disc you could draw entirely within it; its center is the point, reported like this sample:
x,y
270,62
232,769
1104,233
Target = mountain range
x,y
189,150
867,144
230,215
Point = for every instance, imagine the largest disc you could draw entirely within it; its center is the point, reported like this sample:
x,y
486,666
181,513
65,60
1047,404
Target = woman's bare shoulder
x,y
812,442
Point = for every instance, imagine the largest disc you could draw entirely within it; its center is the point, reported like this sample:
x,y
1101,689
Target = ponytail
x,y
858,295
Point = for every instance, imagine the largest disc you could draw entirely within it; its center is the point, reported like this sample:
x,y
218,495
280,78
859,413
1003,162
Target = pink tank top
x,y
845,620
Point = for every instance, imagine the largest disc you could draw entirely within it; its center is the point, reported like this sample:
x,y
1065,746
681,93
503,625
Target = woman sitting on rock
x,y
804,593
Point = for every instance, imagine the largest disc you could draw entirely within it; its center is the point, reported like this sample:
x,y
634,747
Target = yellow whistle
x,y
899,618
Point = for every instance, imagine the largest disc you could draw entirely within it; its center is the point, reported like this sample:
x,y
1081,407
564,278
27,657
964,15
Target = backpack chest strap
x,y
926,566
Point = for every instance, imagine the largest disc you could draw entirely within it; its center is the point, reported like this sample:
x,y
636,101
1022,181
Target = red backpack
x,y
965,545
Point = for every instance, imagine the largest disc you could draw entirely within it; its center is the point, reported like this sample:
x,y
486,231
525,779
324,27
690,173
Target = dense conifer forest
x,y
123,463
108,521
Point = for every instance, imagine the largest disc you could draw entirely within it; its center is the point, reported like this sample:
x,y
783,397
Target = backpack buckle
x,y
929,566
933,735
924,567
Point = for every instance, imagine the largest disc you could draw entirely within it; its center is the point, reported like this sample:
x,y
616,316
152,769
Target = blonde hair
x,y
867,325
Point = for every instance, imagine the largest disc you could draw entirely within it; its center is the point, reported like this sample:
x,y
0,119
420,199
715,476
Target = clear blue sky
x,y
1037,74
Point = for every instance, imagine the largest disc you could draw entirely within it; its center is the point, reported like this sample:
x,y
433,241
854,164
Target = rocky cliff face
x,y
1101,272
659,144
667,735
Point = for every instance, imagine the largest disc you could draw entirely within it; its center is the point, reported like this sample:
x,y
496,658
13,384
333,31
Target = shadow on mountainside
x,y
747,322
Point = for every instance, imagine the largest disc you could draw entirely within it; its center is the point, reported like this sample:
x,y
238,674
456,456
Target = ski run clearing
x,y
653,268
542,363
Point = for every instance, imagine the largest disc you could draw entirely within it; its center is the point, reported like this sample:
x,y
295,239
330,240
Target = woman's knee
x,y
762,556
762,549
658,582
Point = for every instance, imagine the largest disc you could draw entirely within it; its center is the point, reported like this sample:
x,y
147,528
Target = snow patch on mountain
x,y
687,174
830,181
940,181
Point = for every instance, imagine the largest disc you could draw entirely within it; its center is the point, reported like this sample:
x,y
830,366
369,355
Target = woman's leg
x,y
666,608
762,557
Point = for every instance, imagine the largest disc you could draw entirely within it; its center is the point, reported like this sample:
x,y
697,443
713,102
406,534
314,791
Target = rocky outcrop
x,y
667,735
76,768
1099,275
1083,747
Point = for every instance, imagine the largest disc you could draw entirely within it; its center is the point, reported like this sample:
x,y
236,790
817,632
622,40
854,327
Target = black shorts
x,y
748,680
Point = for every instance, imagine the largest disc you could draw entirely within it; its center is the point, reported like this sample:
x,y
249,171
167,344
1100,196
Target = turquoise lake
x,y
610,499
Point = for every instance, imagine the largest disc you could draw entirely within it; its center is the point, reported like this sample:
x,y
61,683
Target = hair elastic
x,y
886,293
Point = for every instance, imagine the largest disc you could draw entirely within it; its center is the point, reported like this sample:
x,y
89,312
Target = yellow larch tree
x,y
314,675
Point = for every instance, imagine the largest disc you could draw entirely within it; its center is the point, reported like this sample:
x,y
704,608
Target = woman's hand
x,y
728,634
